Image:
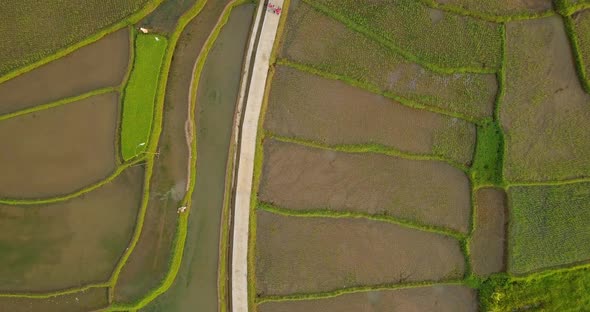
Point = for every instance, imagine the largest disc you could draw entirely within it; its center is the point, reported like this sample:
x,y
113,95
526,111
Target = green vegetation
x,y
140,94
578,28
431,36
494,10
489,148
32,31
569,7
317,43
548,226
562,291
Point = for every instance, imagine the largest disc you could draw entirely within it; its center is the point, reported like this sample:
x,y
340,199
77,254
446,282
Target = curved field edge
x,y
570,29
181,230
132,19
495,18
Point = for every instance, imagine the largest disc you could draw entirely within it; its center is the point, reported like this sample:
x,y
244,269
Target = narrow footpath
x,y
254,95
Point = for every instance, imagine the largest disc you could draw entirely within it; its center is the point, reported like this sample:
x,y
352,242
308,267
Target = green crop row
x,y
499,15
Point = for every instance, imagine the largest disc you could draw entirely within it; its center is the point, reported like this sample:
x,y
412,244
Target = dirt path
x,y
246,152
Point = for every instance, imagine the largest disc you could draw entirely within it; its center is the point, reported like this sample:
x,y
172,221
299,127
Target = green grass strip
x,y
495,18
140,94
334,214
59,102
132,19
570,29
365,148
547,183
57,199
374,89
565,9
367,32
355,289
54,294
489,149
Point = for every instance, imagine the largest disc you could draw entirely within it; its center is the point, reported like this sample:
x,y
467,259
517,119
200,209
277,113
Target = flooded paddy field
x,y
307,254
440,298
196,282
90,300
489,238
427,192
545,111
97,65
316,40
68,244
59,150
306,106
164,18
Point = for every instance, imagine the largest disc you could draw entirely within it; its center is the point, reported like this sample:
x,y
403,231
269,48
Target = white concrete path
x,y
246,153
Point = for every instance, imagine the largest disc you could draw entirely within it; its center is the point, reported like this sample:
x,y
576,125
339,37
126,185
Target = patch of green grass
x,y
489,148
548,226
569,7
578,28
432,36
140,94
32,30
320,42
558,291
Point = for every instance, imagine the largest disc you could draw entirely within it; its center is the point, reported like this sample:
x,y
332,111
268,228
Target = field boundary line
x,y
124,82
48,295
354,289
488,17
374,89
60,102
347,214
568,10
570,29
181,229
92,187
389,44
129,20
366,148
547,183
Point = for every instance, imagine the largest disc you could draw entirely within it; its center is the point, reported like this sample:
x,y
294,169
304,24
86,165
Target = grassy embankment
x,y
100,18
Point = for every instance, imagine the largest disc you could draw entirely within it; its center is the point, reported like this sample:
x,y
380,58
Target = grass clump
x,y
487,163
558,291
317,43
140,94
430,35
548,226
31,30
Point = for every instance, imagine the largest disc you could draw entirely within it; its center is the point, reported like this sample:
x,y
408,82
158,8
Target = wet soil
x,y
59,150
489,242
428,192
435,298
90,300
306,255
329,111
69,244
97,65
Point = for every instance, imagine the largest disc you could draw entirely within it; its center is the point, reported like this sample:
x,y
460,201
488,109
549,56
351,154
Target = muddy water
x,y
58,150
163,19
100,64
195,288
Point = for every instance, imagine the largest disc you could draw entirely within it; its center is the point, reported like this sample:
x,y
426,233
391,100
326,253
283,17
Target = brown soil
x,y
545,112
488,241
332,112
69,244
306,255
434,298
90,300
314,39
100,64
501,7
429,192
59,150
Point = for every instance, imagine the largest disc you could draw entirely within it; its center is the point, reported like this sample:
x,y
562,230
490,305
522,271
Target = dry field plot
x,y
68,244
302,255
500,7
97,65
548,226
488,241
59,150
319,41
428,192
89,300
442,298
545,112
332,112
